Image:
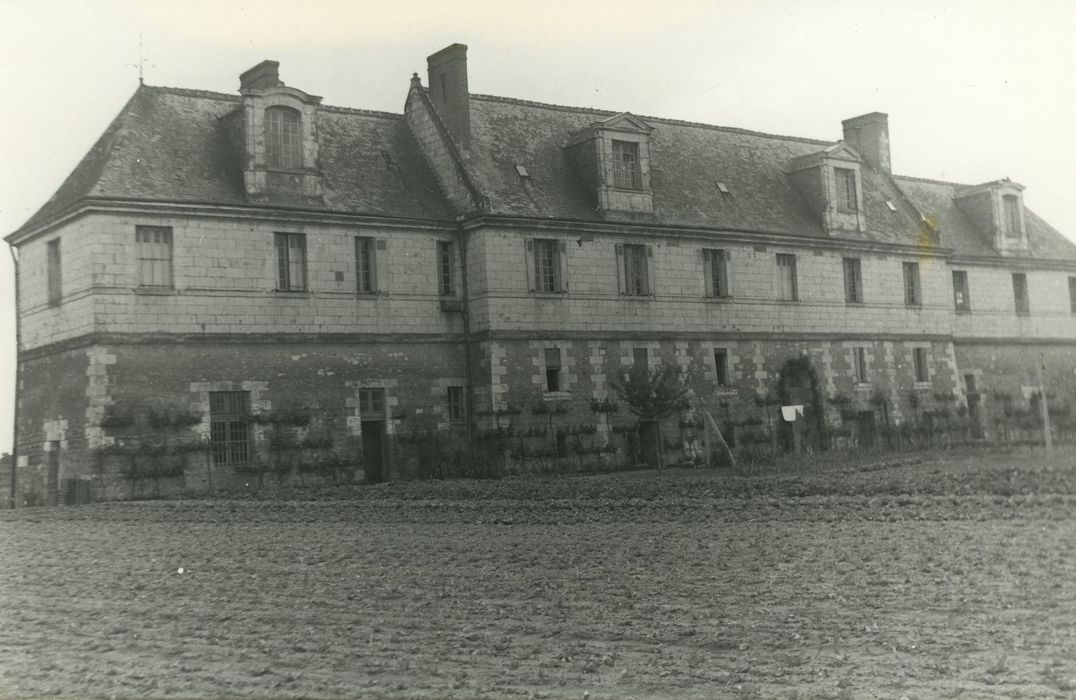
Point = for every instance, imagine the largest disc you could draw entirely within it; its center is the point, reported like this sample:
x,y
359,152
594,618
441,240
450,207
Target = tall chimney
x,y
264,75
447,71
869,134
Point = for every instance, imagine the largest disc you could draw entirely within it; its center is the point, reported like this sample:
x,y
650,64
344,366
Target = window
x,y
291,261
444,268
1019,293
912,294
919,360
229,426
282,138
552,369
859,358
961,299
846,189
365,265
1072,294
154,255
53,272
547,266
626,171
1010,205
641,357
457,409
853,281
715,269
635,269
721,364
786,277
372,403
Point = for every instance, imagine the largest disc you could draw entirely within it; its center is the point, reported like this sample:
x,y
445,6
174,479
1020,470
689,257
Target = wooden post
x,y
1045,416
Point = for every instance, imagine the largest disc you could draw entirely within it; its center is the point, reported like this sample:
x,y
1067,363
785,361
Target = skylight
x,y
892,207
522,171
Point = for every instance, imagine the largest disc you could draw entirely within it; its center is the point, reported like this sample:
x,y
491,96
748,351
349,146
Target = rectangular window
x,y
853,281
919,359
715,268
365,265
641,357
1019,293
457,409
53,271
626,170
547,266
372,403
291,262
636,278
846,189
552,369
1011,211
282,138
859,356
154,255
787,285
721,364
229,426
961,299
444,268
1072,294
912,294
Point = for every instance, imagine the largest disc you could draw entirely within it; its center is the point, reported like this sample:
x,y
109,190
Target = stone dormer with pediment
x,y
612,157
831,181
997,210
278,137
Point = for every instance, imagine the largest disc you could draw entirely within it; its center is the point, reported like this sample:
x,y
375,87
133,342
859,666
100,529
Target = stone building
x,y
254,273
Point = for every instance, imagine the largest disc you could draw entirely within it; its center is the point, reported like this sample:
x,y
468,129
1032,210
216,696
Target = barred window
x,y
853,280
154,255
627,173
282,138
229,427
291,261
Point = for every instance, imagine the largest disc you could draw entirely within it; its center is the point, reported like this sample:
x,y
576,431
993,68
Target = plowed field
x,y
937,578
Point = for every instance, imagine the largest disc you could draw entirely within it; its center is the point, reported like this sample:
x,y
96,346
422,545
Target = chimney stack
x,y
264,75
869,134
447,72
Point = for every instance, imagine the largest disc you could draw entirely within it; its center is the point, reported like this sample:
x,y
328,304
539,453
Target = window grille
x,y
229,427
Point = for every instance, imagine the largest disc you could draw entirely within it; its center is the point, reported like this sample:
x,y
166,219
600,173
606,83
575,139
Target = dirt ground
x,y
943,584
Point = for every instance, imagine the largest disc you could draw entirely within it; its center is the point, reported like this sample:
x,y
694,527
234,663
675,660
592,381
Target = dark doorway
x,y
373,450
974,399
866,429
52,473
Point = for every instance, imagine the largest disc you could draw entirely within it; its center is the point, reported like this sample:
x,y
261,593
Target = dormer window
x,y
282,139
846,189
627,174
1010,204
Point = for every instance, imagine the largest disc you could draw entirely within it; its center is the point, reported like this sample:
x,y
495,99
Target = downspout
x,y
465,312
18,368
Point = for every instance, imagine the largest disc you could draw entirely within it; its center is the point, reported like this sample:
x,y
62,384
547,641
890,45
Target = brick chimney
x,y
447,71
869,135
264,75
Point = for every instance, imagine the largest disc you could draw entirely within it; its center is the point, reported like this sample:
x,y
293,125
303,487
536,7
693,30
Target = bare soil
x,y
933,577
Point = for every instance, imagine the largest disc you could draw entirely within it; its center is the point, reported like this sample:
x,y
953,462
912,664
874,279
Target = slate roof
x,y
172,145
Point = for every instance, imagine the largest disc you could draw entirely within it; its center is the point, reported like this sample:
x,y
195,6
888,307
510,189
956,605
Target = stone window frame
x,y
553,370
846,189
626,164
1011,215
722,368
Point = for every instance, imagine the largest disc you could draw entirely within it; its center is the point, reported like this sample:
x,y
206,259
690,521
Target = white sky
x,y
975,91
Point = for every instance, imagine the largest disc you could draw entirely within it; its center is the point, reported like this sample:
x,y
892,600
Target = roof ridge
x,y
933,181
364,112
189,92
661,120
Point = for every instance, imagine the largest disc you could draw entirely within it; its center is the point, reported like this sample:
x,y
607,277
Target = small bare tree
x,y
652,395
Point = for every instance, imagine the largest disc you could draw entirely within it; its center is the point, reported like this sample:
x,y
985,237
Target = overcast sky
x,y
975,91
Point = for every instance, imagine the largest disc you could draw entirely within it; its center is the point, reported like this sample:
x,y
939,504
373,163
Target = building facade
x,y
227,284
